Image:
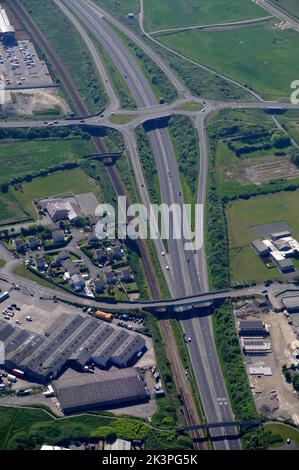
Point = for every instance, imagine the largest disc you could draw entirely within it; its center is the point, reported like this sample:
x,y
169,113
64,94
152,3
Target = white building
x,y
6,28
119,444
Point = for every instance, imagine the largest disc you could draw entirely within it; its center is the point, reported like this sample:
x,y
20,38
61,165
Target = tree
x,y
280,140
4,187
296,382
295,159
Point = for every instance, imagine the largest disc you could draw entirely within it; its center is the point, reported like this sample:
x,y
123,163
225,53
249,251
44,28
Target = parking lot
x,y
21,67
41,312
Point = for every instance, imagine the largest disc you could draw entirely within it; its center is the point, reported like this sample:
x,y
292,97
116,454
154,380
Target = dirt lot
x,y
270,168
272,394
29,102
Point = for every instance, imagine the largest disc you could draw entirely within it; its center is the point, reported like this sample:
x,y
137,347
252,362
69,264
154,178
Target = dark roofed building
x,y
70,267
252,328
291,303
125,276
6,330
260,247
100,256
101,390
93,240
63,256
99,286
58,236
110,277
129,351
277,235
115,253
34,243
285,265
19,245
70,341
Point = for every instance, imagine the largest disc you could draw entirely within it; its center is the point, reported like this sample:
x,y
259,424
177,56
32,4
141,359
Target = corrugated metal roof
x,y
5,25
103,389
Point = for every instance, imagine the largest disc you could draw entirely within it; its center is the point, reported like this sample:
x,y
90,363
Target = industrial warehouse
x,y
106,390
71,341
7,30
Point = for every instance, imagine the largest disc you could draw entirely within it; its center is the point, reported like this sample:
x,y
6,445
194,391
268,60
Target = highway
x,y
187,278
171,306
185,275
143,114
279,13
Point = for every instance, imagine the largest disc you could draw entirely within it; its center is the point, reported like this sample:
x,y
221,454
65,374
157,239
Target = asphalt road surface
x,y
186,279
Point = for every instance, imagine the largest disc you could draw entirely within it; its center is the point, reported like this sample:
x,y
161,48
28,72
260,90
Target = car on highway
x,y
187,338
163,253
167,268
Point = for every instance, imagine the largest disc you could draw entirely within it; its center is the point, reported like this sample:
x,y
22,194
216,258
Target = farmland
x,y
163,15
259,53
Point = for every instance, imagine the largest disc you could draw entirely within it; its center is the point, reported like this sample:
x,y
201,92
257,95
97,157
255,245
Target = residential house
x,y
40,263
115,253
63,255
99,286
70,267
19,245
58,236
110,277
34,243
93,241
100,256
77,282
57,210
125,276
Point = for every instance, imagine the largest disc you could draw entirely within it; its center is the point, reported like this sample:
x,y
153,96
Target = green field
x,y
22,271
21,158
284,431
10,210
263,58
186,145
290,120
119,8
244,215
176,13
25,429
290,6
70,50
74,181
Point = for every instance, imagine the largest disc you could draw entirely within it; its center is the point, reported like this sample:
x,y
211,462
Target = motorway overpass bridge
x,y
178,305
227,424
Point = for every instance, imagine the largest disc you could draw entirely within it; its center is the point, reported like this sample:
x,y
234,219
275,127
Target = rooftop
x,y
99,390
5,25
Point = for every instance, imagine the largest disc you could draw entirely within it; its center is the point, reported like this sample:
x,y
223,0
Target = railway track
x,y
181,381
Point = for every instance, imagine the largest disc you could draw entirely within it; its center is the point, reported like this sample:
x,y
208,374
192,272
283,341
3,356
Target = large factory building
x,y
7,30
